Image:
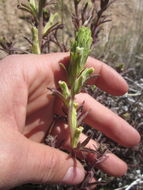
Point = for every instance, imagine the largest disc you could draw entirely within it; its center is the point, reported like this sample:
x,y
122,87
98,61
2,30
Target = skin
x,y
26,112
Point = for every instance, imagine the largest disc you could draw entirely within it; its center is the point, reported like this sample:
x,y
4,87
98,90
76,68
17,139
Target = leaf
x,y
85,142
29,8
63,66
33,4
65,89
82,79
57,93
52,18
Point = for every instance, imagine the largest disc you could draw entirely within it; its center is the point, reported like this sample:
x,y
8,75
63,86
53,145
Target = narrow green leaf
x,y
33,4
65,89
50,23
82,79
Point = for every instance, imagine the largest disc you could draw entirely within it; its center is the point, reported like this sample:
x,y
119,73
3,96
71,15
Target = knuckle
x,y
49,167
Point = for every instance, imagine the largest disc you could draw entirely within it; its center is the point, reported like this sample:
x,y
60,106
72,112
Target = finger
x,y
44,164
109,80
109,163
108,122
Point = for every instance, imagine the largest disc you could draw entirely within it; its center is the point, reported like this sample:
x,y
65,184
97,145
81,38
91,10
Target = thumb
x,y
45,164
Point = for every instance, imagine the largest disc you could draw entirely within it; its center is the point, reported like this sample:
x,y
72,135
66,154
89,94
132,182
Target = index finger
x,y
109,80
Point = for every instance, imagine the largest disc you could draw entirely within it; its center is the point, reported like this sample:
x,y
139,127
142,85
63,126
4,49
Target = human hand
x,y
26,113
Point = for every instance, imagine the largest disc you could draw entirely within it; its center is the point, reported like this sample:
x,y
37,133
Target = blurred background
x,y
121,41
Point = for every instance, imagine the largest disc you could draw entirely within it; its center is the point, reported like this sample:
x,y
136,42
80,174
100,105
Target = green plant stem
x,y
77,76
72,123
70,110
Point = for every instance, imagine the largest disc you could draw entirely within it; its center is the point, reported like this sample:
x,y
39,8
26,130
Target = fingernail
x,y
74,175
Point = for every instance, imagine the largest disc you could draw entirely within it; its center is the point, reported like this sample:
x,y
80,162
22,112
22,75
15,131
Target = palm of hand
x,y
29,98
